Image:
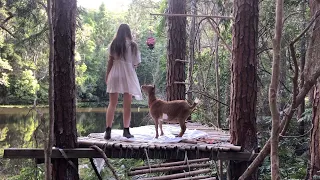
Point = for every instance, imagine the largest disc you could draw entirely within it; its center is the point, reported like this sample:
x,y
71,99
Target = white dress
x,y
122,77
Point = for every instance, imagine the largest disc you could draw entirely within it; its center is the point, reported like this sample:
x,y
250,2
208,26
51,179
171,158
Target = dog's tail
x,y
195,103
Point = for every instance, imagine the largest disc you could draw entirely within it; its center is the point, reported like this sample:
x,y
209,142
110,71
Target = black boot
x,y
126,133
107,134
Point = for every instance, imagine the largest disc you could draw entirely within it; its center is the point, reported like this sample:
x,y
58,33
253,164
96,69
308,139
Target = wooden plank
x,y
39,153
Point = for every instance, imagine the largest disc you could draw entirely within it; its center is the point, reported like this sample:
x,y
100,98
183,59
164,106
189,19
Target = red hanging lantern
x,y
151,41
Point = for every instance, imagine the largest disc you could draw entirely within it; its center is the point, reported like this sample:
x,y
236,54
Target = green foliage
x,y
162,20
28,172
122,167
25,88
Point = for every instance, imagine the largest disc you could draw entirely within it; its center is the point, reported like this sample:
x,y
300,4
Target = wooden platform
x,y
214,145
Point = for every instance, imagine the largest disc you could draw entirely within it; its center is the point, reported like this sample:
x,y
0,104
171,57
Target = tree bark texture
x,y
64,86
314,55
244,82
315,135
176,49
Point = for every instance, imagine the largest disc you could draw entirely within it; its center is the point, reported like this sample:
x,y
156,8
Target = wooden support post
x,y
180,60
177,82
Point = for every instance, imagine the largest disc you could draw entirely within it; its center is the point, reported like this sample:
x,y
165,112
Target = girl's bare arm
x,y
109,66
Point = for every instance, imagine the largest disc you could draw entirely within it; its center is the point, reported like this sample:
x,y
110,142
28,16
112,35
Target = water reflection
x,y
22,128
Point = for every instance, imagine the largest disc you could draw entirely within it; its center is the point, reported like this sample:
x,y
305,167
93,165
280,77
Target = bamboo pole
x,y
194,178
171,164
166,169
191,15
179,175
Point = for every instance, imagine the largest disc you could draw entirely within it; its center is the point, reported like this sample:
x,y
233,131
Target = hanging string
x,y
146,152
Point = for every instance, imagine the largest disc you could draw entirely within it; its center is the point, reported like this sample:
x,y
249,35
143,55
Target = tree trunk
x,y
315,135
302,64
192,40
176,49
217,79
244,82
314,54
48,173
273,88
283,94
64,86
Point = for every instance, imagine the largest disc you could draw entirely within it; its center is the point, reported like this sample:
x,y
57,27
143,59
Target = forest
x,y
254,65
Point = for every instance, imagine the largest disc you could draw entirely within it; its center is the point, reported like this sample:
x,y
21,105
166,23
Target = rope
x,y
95,147
186,159
95,169
252,154
67,159
146,152
299,136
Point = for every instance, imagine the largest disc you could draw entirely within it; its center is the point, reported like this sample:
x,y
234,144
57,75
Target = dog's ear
x,y
154,89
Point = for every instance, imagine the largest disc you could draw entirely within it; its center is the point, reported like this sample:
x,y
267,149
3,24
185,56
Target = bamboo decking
x,y
198,142
214,144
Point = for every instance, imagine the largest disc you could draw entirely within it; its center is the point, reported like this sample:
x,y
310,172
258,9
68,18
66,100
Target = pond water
x,y
22,128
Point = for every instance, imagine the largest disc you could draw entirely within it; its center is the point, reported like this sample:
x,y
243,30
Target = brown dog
x,y
168,111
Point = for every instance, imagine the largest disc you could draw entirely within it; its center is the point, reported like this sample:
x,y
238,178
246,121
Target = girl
x,y
121,77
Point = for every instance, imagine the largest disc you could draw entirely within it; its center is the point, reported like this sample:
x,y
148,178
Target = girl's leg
x,y
113,101
127,99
